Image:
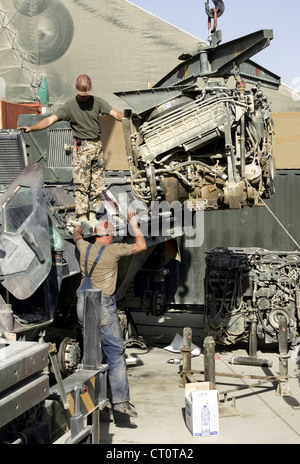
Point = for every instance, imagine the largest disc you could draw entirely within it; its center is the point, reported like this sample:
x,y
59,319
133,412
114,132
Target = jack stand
x,y
283,387
209,360
252,359
186,350
187,374
253,339
210,374
225,410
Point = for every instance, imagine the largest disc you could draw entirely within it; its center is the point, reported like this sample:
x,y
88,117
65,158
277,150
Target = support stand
x,y
252,359
209,360
92,362
186,350
79,431
84,392
187,374
283,388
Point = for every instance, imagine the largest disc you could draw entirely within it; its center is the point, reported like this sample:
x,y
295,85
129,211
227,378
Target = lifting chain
x,y
214,13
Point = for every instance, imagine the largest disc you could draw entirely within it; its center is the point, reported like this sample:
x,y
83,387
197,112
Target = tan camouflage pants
x,y
88,176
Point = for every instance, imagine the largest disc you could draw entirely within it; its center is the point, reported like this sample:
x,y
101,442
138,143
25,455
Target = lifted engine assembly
x,y
192,137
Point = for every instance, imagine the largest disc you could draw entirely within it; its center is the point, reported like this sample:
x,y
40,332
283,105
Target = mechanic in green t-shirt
x,y
88,164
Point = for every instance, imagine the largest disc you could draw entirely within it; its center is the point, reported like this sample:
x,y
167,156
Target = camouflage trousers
x,y
88,176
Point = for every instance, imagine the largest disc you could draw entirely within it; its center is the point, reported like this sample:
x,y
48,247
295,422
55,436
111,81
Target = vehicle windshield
x,y
17,209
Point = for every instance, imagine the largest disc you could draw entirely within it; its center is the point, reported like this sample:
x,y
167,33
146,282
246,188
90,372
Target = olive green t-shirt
x,y
105,273
84,116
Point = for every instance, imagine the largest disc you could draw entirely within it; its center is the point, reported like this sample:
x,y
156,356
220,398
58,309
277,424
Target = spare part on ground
x,y
251,285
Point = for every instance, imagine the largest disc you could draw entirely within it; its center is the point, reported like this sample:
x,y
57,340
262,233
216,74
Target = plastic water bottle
x,y
205,420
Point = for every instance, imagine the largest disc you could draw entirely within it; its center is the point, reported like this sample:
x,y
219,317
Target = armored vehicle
x,y
196,146
200,139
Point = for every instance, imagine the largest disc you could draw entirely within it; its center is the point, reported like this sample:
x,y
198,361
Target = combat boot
x,y
92,220
82,218
126,408
74,220
71,222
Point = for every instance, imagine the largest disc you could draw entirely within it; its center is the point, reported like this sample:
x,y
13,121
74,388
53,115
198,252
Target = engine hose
x,y
221,175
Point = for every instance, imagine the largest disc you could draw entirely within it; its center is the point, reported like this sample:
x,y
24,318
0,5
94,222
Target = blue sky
x,y
240,18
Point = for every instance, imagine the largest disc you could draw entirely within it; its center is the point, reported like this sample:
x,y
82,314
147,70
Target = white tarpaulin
x,y
119,45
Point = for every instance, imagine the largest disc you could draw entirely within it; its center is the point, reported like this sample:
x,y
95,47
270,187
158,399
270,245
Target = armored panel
x,y
22,385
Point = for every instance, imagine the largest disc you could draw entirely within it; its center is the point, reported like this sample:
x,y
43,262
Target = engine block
x,y
245,285
211,146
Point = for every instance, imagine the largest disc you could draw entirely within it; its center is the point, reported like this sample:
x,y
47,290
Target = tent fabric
x,y
120,46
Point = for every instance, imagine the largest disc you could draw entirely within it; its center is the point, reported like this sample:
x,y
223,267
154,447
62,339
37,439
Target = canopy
x,y
45,45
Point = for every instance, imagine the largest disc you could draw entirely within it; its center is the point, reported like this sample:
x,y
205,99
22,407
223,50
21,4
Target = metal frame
x,y
187,373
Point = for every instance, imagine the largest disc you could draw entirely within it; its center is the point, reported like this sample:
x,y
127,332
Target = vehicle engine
x,y
199,135
244,286
211,146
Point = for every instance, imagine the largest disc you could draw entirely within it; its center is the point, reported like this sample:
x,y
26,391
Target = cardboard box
x,y
202,409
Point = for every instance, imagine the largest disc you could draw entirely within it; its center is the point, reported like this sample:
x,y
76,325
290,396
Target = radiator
x,y
13,156
60,145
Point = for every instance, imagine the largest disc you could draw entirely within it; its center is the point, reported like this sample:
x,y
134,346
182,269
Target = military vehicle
x,y
206,147
193,143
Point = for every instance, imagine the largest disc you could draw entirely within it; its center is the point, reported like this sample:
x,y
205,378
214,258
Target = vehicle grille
x,y
12,155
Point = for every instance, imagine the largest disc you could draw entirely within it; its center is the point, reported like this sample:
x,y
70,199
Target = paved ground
x,y
260,416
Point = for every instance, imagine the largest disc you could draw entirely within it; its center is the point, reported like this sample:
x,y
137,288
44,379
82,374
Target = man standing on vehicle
x,y
88,164
104,278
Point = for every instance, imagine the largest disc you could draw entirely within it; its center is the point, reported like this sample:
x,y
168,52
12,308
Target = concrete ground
x,y
257,415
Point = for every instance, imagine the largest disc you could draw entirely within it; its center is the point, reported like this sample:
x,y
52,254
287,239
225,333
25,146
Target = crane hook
x,y
219,8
